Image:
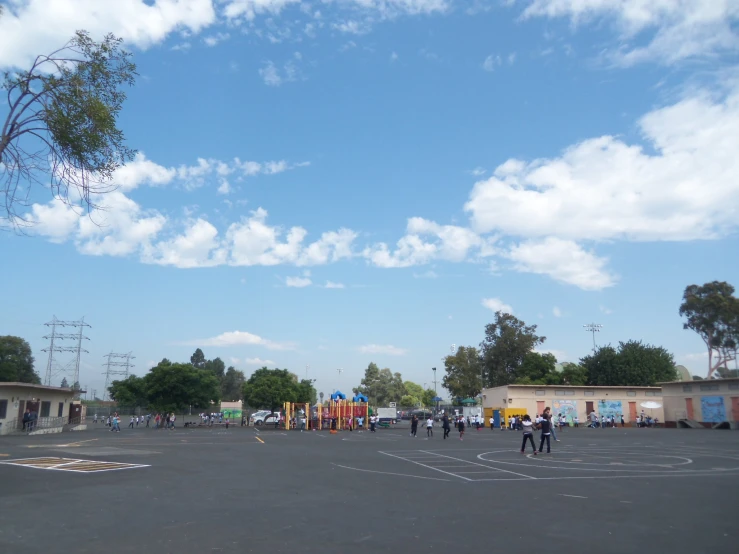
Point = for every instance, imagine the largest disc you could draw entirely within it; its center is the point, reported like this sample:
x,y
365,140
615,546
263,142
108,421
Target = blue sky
x,y
327,184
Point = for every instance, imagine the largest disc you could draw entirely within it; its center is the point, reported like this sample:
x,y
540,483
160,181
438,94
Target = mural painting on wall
x,y
610,408
713,409
568,408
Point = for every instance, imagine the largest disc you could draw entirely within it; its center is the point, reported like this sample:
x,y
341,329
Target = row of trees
x,y
382,386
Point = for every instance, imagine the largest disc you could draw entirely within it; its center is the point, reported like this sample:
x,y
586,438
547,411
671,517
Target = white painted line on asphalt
x,y
390,473
426,466
573,496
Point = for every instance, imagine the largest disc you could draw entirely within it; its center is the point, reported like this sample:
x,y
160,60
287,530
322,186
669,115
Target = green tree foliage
x,y
427,399
574,374
463,372
507,342
413,389
381,386
232,384
16,361
64,384
217,368
537,369
198,359
271,388
61,123
129,392
409,401
168,387
633,364
712,311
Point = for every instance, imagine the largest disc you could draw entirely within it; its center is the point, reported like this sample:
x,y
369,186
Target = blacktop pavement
x,y
206,490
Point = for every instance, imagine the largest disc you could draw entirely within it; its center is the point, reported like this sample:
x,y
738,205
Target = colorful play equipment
x,y
339,413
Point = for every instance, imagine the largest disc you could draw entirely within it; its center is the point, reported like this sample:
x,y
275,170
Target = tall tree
x,y
198,359
413,389
16,361
463,372
61,123
633,364
306,392
175,387
574,374
538,369
232,384
506,343
216,367
381,386
712,311
64,384
270,388
427,398
130,392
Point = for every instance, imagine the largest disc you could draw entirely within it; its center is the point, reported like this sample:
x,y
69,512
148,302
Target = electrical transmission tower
x,y
111,363
593,328
51,369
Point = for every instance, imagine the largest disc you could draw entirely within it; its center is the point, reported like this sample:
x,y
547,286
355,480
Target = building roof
x,y
580,386
34,386
701,381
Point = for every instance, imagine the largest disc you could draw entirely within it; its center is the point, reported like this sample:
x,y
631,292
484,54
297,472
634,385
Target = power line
x,y
111,363
51,369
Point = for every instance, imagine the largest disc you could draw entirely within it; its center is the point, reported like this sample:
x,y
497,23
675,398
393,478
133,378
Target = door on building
x,y
689,407
540,407
75,413
589,407
735,408
632,412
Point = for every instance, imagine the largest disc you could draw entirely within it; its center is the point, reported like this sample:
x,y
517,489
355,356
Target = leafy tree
x,y
216,367
408,400
574,374
427,399
306,392
198,359
506,343
634,364
381,386
64,383
61,123
463,375
174,387
270,388
538,369
712,311
129,392
16,361
413,389
232,384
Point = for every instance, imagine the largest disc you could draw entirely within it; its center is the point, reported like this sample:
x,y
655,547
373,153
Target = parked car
x,y
264,417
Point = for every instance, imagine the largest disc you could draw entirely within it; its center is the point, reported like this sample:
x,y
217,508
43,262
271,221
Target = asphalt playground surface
x,y
271,491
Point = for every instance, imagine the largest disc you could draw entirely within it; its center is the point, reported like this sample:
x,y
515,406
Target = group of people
x,y
30,418
161,421
544,423
216,417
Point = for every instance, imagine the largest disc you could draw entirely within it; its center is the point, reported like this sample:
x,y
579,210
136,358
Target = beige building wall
x,y
49,402
707,402
577,401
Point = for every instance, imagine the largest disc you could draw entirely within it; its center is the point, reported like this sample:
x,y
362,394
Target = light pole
x,y
593,328
436,394
340,370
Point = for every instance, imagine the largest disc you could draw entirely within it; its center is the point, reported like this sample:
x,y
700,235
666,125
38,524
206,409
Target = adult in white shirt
x,y
430,427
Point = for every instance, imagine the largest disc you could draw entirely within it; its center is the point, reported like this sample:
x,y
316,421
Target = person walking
x,y
430,427
414,426
445,425
545,425
460,427
131,424
528,434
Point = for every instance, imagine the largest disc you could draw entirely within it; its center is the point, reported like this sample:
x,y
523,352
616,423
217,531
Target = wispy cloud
x,y
240,338
259,362
556,312
299,282
332,285
497,305
387,349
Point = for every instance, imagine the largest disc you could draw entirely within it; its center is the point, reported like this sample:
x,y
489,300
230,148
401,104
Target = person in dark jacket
x,y
445,425
414,426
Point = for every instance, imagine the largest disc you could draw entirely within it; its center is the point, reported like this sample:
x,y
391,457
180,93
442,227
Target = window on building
x,y
733,386
589,393
650,393
541,393
3,409
709,387
61,410
559,393
569,393
45,408
687,388
631,393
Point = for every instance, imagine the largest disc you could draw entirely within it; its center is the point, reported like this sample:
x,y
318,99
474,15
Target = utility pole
x,y
111,363
340,370
54,347
593,328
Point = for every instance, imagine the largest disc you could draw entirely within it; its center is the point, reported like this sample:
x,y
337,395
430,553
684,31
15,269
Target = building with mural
x,y
572,401
706,403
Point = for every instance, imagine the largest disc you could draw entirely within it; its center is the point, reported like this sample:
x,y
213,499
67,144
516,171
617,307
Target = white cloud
x,y
393,56
259,362
605,189
352,27
274,76
142,171
32,27
426,241
197,246
299,282
497,305
562,260
387,349
556,312
215,39
55,220
332,285
491,62
561,355
605,310
240,338
224,188
426,275
477,172
676,29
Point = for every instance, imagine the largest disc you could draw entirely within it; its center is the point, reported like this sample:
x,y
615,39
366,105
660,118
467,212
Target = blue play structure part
x,y
338,395
436,399
360,398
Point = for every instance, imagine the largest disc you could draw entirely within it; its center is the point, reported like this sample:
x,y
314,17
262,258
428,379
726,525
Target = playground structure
x,y
500,415
338,414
